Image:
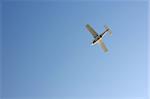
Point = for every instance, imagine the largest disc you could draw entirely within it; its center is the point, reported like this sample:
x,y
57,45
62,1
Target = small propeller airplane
x,y
98,38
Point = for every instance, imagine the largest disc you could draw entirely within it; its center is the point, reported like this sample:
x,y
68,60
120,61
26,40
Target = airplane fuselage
x,y
95,41
99,37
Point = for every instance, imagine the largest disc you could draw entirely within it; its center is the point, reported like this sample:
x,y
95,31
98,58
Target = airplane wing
x,y
103,45
91,30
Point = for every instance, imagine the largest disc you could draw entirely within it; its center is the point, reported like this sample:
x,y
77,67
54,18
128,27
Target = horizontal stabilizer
x,y
109,30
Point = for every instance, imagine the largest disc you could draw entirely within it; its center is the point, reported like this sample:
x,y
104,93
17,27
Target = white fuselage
x,y
99,37
96,40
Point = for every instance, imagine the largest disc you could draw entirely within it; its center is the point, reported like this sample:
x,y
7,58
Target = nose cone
x,y
92,44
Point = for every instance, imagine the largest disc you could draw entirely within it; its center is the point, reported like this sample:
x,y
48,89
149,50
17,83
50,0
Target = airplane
x,y
98,38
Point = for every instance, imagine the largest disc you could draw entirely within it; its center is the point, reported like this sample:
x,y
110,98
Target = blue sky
x,y
47,52
0,49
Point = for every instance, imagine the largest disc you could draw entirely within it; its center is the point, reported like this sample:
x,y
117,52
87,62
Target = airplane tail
x,y
109,30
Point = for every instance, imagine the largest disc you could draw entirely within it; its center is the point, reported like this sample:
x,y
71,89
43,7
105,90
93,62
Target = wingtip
x,y
87,25
106,51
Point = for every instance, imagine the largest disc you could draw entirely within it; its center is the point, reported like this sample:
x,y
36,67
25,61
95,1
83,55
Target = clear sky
x,y
0,48
47,52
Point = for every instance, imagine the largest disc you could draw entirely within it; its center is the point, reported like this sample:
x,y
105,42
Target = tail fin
x,y
109,30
